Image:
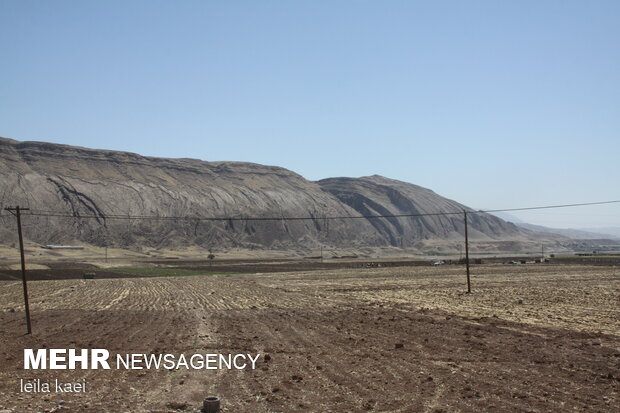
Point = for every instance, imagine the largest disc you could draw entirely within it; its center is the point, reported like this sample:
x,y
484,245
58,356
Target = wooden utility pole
x,y
17,213
467,253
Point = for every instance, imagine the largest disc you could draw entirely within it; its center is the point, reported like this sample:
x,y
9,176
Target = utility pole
x,y
17,213
467,253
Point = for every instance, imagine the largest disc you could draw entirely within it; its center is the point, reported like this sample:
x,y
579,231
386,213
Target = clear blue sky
x,y
491,103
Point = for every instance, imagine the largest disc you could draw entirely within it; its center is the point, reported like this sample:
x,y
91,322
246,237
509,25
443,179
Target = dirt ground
x,y
529,339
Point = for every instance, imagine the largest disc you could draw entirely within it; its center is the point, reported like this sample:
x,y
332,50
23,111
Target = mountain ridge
x,y
94,186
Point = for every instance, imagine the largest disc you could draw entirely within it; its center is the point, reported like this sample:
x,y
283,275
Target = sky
x,y
495,104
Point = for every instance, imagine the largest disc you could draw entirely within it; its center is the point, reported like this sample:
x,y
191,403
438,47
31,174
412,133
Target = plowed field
x,y
529,338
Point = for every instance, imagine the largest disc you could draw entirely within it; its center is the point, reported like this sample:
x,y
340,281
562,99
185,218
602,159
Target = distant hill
x,y
567,232
610,231
507,217
575,233
100,190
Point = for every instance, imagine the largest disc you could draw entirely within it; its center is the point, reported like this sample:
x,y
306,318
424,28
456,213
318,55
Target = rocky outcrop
x,y
377,195
101,190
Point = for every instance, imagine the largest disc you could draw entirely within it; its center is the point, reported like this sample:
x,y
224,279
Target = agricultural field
x,y
530,338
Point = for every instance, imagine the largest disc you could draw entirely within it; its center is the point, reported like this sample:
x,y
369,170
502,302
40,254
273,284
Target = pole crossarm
x,y
15,210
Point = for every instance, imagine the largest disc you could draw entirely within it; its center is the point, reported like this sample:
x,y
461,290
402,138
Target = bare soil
x,y
529,339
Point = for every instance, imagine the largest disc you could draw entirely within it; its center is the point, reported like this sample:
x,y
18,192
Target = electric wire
x,y
47,213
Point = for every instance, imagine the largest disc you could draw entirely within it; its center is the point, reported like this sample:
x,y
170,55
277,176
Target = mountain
x,y
102,190
574,233
376,195
567,232
507,217
609,232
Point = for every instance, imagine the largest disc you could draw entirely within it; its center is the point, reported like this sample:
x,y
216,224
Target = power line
x,y
45,213
551,206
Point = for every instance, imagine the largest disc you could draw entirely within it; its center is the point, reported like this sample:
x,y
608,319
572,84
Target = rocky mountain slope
x,y
377,195
102,191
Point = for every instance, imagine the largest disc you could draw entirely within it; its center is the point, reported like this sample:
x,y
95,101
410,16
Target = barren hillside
x,y
377,195
95,187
